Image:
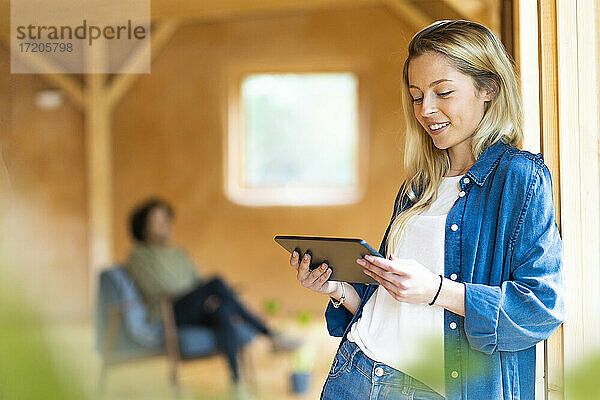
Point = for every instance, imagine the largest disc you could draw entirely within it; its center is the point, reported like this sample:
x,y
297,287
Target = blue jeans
x,y
190,309
354,376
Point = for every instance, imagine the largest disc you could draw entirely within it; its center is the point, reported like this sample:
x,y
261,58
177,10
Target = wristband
x,y
438,291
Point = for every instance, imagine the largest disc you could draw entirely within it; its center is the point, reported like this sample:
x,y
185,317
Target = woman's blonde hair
x,y
473,50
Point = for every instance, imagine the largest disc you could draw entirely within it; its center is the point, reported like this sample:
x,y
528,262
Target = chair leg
x,y
101,389
175,378
248,369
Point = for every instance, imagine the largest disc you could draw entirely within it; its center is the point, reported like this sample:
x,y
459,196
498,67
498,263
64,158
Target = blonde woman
x,y
471,278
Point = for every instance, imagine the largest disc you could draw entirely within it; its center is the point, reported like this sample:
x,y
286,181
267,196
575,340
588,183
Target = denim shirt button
x,y
453,277
452,325
454,227
466,180
454,374
461,193
379,371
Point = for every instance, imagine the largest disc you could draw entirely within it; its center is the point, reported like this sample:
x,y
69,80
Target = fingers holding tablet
x,y
322,271
317,279
294,259
304,268
322,283
339,254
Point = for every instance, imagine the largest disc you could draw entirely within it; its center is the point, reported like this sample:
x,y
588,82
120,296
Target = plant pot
x,y
300,382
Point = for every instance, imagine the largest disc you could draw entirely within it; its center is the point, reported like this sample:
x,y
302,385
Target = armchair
x,y
124,334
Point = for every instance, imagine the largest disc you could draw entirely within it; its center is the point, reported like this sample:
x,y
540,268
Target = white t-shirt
x,y
410,337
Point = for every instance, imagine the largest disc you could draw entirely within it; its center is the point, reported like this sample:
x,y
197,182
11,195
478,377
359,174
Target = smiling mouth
x,y
436,128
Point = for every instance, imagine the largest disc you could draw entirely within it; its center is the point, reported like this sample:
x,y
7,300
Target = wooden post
x,y
100,99
99,163
549,111
577,27
568,54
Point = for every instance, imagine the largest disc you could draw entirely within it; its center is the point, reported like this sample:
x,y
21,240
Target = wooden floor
x,y
72,345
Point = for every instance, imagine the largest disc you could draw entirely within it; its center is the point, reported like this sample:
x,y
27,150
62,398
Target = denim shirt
x,y
503,244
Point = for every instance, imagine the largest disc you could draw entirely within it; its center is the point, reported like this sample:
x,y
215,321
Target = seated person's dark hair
x,y
139,216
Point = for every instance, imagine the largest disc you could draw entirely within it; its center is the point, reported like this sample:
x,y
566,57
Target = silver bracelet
x,y
336,303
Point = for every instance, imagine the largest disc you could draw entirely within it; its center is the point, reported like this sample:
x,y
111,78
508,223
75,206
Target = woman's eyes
x,y
443,94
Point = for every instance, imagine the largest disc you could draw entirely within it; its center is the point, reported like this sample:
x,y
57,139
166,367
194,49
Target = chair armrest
x,y
118,306
168,319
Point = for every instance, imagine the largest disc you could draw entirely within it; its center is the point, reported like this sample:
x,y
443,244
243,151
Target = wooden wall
x,y
45,223
168,140
169,136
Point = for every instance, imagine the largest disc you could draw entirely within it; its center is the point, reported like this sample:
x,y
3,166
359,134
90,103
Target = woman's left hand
x,y
406,280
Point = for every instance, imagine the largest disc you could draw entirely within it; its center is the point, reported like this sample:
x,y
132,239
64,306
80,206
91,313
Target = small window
x,y
294,140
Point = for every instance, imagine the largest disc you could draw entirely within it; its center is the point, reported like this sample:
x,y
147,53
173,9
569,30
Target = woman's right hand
x,y
316,280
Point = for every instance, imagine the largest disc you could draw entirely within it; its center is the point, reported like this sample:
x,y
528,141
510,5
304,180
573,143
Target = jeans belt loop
x,y
356,350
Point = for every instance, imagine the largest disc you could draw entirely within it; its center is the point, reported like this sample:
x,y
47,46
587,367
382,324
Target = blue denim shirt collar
x,y
486,162
479,171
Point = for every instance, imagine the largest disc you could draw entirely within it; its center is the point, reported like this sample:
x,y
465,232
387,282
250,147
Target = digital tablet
x,y
339,253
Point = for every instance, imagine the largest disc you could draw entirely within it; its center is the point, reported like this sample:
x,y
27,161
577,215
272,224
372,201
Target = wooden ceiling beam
x,y
409,13
124,80
217,9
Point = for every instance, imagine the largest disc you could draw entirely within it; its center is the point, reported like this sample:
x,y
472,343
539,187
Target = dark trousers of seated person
x,y
212,304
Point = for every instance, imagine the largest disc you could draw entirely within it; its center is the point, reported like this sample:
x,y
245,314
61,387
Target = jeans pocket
x,y
339,364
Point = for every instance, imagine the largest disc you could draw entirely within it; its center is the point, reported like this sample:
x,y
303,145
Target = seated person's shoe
x,y
282,342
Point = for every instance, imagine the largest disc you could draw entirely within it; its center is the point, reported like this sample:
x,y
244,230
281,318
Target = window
x,y
293,140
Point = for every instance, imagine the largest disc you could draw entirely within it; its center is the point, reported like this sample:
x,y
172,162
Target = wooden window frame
x,y
305,195
568,74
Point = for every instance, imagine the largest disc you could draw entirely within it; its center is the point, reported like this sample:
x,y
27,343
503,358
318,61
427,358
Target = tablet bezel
x,y
339,253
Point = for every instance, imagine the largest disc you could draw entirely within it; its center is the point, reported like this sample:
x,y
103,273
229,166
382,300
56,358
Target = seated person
x,y
160,269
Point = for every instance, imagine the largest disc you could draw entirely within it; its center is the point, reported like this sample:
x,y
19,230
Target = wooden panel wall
x,y
168,138
169,133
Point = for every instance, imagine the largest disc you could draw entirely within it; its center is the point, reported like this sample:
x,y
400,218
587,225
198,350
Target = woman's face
x,y
445,101
158,226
